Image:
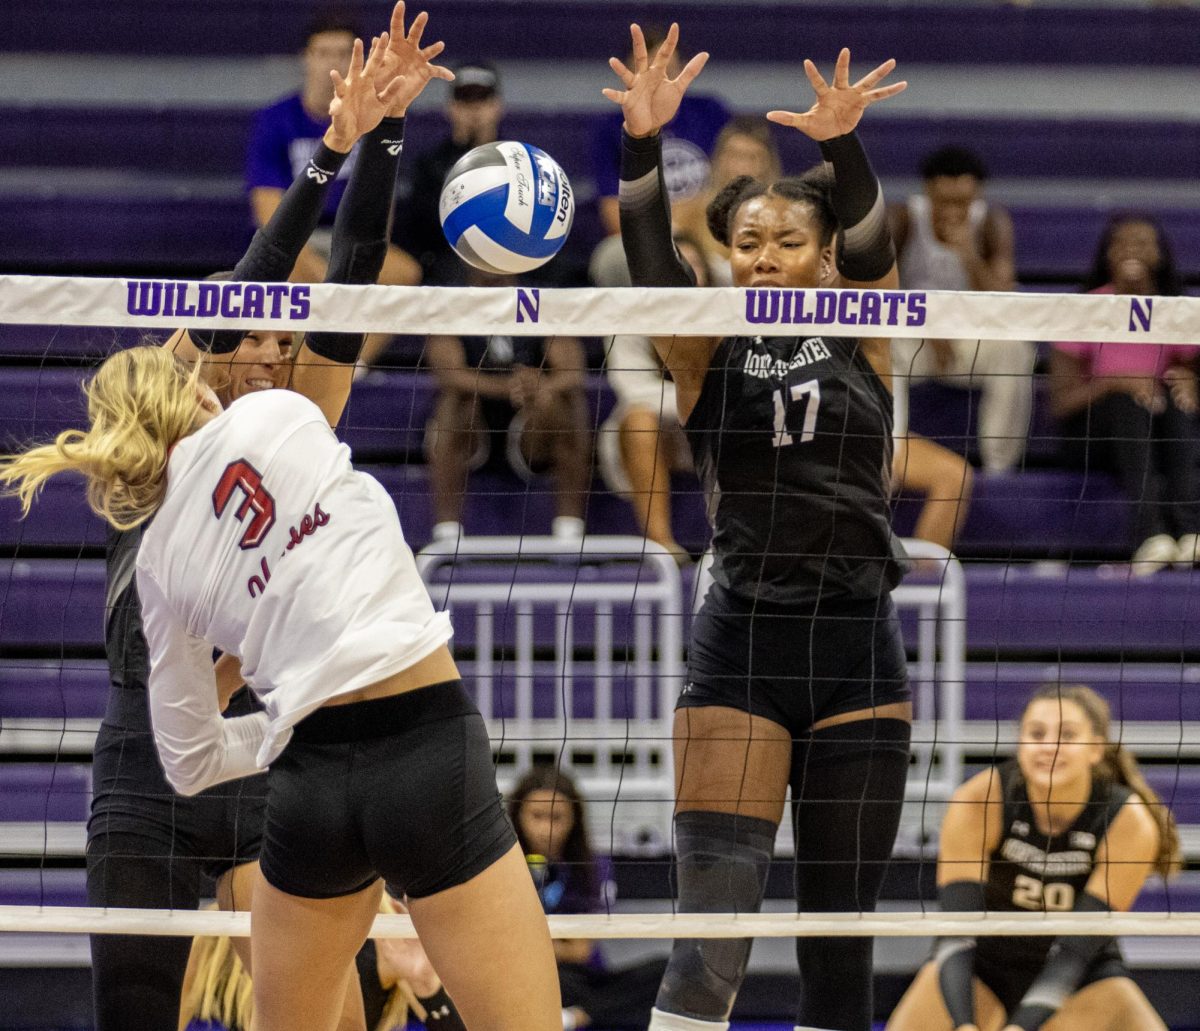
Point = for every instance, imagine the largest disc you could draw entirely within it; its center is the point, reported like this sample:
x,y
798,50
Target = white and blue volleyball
x,y
506,207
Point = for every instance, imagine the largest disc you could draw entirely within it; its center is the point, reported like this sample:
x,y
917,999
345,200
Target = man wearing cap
x,y
473,109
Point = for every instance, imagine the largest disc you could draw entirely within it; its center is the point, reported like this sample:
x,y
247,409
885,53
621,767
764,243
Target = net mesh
x,y
576,647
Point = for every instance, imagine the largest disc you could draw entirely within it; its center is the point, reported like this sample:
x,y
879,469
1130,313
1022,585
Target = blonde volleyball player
x,y
148,846
268,545
1070,824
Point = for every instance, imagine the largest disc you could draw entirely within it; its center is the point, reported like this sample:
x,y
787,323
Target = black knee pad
x,y
721,867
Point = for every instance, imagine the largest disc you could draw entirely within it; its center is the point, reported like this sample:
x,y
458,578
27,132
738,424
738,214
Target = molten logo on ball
x,y
507,207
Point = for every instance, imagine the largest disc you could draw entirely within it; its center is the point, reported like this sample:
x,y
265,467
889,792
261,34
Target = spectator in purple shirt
x,y
547,813
286,134
688,143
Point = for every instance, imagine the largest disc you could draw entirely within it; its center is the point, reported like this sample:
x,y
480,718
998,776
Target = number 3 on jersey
x,y
784,397
242,476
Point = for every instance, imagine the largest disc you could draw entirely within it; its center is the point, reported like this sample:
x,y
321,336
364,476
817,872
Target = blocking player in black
x,y
149,847
1069,825
796,672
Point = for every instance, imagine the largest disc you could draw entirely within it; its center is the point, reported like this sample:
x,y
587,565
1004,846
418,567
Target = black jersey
x,y
792,439
124,643
1033,871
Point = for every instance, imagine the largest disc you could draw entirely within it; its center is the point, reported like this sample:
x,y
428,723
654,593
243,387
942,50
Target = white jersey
x,y
271,547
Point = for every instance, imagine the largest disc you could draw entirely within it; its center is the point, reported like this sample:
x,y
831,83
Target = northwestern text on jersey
x,y
826,307
155,297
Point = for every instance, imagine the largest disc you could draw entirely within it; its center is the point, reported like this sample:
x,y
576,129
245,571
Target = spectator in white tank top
x,y
951,238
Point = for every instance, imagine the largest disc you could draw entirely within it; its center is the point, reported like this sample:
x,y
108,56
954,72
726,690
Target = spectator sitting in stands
x,y
474,110
547,813
1133,408
923,467
744,147
286,134
521,397
642,442
951,238
687,143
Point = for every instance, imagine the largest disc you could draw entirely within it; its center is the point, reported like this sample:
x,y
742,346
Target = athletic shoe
x,y
1187,551
1154,554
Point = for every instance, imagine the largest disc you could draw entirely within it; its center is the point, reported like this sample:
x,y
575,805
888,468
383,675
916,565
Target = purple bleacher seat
x,y
1163,692
51,603
54,792
52,342
1038,513
1058,609
1181,894
55,689
43,888
1179,788
181,223
763,30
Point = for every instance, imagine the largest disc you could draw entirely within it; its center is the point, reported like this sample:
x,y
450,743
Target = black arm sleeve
x,y
272,253
1067,962
646,216
362,228
865,248
955,957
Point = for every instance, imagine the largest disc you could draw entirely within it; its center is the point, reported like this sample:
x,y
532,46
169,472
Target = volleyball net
x,y
576,648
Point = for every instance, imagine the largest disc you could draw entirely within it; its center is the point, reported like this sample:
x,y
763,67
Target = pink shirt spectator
x,y
1108,360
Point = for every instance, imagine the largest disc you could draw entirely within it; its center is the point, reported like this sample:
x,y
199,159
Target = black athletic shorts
x,y
401,787
795,667
219,828
1009,979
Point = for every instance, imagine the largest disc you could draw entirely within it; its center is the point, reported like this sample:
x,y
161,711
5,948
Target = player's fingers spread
x,y
439,71
667,48
841,71
618,66
885,91
640,59
782,117
815,78
615,95
418,27
873,77
692,69
431,51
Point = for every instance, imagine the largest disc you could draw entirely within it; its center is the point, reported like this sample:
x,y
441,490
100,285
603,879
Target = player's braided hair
x,y
811,189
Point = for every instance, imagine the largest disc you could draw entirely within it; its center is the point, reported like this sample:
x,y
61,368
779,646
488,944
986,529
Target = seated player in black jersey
x,y
147,845
796,674
1070,824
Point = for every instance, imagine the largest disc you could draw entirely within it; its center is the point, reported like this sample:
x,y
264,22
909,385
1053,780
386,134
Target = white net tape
x,y
516,311
173,922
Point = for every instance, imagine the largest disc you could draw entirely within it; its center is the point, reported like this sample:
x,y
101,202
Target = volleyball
x,y
506,207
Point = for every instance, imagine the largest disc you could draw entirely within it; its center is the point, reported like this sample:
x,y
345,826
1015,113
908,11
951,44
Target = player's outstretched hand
x,y
839,108
650,99
359,101
406,59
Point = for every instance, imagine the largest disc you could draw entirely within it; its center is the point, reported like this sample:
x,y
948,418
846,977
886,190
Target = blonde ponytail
x,y
219,988
1121,767
140,402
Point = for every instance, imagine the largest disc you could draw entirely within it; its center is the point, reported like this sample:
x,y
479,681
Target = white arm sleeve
x,y
197,746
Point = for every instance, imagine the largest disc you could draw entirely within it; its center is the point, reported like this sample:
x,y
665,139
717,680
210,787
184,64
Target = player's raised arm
x,y
325,364
361,105
866,255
